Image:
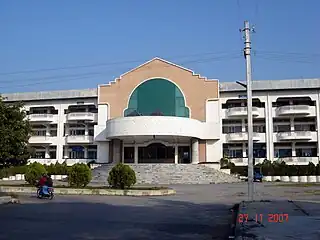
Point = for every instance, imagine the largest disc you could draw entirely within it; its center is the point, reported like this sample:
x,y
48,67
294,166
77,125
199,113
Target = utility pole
x,y
247,56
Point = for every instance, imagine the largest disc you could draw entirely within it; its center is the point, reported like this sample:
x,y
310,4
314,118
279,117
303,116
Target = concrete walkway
x,y
281,220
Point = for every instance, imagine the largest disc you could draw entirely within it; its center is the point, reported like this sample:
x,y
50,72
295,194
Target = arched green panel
x,y
157,97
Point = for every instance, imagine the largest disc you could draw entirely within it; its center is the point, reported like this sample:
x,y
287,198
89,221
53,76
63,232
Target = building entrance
x,y
158,153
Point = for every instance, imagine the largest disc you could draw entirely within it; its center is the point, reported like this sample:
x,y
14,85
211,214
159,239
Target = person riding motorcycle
x,y
43,183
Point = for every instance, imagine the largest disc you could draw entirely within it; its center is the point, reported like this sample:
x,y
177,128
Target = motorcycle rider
x,y
49,182
42,182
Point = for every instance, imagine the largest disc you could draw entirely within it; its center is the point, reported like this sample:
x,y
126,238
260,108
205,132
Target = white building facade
x,y
160,112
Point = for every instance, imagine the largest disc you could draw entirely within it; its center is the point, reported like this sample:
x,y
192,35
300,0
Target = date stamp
x,y
271,217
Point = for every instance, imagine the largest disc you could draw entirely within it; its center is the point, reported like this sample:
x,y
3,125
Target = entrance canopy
x,y
161,126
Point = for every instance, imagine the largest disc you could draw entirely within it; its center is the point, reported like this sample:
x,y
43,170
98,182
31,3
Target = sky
x,y
75,44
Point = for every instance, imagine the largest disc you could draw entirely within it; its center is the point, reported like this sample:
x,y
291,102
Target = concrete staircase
x,y
168,174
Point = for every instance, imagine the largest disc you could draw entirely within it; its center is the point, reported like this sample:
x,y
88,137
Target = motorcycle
x,y
45,192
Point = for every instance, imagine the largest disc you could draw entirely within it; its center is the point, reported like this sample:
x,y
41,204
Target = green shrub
x,y
61,168
121,176
34,172
311,169
79,175
318,169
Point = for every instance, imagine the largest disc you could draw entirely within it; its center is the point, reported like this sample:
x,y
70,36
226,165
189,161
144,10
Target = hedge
x,y
52,169
276,168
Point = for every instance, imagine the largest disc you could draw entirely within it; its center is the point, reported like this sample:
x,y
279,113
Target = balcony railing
x,y
241,112
82,116
241,136
294,135
41,117
79,139
293,110
40,139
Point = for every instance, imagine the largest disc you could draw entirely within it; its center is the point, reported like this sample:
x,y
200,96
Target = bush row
x,y
269,168
52,169
79,175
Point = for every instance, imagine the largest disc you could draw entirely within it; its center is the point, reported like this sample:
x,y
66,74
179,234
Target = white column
x,y
244,150
195,151
243,125
85,148
136,154
48,130
47,154
293,149
86,130
103,152
291,124
176,154
66,152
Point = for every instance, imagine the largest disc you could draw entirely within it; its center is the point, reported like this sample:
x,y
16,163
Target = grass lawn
x,y
294,185
87,187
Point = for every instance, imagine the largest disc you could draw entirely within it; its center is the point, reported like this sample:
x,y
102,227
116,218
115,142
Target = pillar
x,y
86,130
136,154
102,152
85,148
48,130
65,152
176,154
47,153
243,125
116,151
244,150
292,124
293,149
195,151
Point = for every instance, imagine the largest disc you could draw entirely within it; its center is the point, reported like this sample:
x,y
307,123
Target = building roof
x,y
273,85
64,94
261,85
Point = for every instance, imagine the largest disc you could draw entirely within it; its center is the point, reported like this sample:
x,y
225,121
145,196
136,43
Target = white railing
x,y
40,139
79,139
241,111
41,117
241,136
86,116
294,135
293,109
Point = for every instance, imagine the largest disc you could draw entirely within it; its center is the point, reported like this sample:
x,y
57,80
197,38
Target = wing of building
x,y
160,112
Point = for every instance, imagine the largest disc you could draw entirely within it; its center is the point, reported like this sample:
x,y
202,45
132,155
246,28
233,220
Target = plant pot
x,y
285,179
64,176
12,178
276,178
5,179
57,177
312,179
18,177
294,179
267,178
23,177
318,179
303,179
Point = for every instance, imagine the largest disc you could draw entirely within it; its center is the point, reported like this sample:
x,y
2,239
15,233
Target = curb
x,y
8,200
104,192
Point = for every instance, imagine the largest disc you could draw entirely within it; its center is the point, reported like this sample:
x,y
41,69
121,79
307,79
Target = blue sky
x,y
111,37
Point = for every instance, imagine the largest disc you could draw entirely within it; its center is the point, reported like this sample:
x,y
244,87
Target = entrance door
x,y
156,153
184,154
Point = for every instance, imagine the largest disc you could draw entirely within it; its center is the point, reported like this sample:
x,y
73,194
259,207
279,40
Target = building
x,y
160,112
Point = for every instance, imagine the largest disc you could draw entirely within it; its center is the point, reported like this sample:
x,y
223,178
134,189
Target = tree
x,y
15,132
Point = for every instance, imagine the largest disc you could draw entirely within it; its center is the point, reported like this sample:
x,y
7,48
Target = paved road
x,y
196,212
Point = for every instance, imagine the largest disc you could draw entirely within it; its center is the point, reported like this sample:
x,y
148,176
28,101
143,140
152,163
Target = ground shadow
x,y
129,218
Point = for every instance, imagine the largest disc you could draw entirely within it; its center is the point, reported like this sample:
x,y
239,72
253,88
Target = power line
x,y
90,75
100,64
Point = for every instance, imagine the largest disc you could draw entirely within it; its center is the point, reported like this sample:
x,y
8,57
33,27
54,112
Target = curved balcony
x,y
41,117
293,110
82,116
295,135
161,126
241,137
242,112
79,139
